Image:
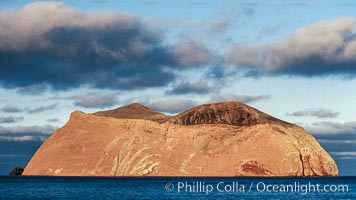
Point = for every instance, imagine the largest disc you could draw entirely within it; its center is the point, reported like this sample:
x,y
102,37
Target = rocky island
x,y
220,139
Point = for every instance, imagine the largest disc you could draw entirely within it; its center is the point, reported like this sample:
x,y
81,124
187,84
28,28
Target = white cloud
x,y
45,129
96,99
26,133
315,112
332,128
25,27
18,139
349,154
326,47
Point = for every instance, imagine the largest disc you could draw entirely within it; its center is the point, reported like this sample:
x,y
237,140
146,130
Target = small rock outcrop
x,y
222,139
17,171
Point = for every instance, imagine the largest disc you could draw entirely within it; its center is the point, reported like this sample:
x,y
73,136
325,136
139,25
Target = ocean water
x,y
176,188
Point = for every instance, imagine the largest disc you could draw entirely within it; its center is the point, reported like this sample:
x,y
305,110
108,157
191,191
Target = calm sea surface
x,y
176,188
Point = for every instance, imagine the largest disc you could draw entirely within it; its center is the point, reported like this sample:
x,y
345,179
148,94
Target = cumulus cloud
x,y
315,112
10,119
239,98
171,106
95,100
324,48
62,47
199,87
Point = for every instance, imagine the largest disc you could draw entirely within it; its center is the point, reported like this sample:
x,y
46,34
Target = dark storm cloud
x,y
96,100
323,48
50,44
199,87
216,72
35,89
315,112
239,98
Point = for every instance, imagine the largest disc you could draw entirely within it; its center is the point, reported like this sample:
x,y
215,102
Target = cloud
x,y
20,138
26,133
338,139
335,141
301,5
199,87
14,109
353,154
315,112
332,128
344,155
35,89
62,48
45,129
42,108
269,29
239,98
229,13
324,48
11,109
4,120
95,100
53,120
192,53
171,106
220,25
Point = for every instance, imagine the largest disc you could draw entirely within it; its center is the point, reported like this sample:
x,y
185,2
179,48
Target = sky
x,y
295,60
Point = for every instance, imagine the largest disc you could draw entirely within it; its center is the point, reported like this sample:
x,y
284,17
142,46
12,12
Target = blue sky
x,y
295,60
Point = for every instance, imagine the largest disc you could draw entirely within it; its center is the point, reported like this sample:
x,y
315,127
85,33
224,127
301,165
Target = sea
x,y
24,187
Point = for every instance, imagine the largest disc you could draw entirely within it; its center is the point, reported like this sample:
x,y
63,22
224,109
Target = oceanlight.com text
x,y
260,187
